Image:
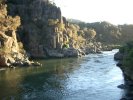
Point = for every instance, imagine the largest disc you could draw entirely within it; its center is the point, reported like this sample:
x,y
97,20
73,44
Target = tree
x,y
89,33
60,26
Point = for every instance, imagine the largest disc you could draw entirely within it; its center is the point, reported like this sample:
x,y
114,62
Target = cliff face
x,y
11,50
125,60
43,31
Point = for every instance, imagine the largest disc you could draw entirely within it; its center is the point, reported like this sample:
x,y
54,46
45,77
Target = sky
x,y
113,11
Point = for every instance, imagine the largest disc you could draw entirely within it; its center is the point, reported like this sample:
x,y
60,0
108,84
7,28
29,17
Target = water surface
x,y
93,77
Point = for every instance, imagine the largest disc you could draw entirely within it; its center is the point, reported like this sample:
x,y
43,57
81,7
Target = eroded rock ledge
x,y
11,50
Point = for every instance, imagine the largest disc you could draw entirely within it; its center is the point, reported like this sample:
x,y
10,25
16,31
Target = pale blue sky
x,y
114,11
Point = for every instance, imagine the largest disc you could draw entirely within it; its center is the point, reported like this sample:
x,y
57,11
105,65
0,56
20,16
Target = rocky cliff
x,y
11,50
44,31
125,60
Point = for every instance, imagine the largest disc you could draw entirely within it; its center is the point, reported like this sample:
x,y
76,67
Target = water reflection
x,y
94,77
9,82
23,82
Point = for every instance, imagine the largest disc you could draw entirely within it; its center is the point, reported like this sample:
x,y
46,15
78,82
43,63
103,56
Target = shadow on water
x,y
128,94
127,89
94,77
37,82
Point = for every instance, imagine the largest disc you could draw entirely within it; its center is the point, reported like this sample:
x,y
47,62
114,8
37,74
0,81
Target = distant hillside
x,y
74,21
108,33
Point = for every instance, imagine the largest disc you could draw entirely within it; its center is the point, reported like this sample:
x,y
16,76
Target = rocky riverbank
x,y
124,58
125,62
93,47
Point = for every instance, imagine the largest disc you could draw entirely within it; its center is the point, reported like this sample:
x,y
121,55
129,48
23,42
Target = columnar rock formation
x,y
8,43
43,28
11,50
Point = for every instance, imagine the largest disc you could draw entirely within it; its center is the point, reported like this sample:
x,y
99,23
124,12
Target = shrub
x,y
52,22
60,26
66,46
121,49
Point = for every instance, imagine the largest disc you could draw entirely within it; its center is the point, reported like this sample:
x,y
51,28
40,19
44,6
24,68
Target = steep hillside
x,y
108,33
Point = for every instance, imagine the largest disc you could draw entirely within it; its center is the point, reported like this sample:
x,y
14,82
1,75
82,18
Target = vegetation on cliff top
x,y
108,33
127,52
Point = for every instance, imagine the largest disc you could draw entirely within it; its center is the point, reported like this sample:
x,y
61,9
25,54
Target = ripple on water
x,y
93,77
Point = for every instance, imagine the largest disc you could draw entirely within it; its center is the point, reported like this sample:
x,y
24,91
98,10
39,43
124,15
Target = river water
x,y
93,77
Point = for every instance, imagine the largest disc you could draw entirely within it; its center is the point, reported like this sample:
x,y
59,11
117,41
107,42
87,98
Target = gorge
x,y
42,31
36,30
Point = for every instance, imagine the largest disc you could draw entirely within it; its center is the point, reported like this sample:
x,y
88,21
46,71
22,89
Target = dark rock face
x,y
38,11
124,57
43,28
71,52
11,50
118,56
36,32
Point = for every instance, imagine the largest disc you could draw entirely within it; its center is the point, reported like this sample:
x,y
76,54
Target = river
x,y
93,77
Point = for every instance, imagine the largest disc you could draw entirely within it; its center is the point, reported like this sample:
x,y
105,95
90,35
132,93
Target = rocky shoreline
x,y
127,74
92,48
18,59
127,71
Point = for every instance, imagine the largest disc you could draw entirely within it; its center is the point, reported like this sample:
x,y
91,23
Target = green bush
x,y
121,49
66,46
130,54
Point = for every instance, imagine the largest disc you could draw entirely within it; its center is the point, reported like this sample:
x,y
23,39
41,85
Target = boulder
x,y
122,86
71,52
53,53
119,64
118,56
4,61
